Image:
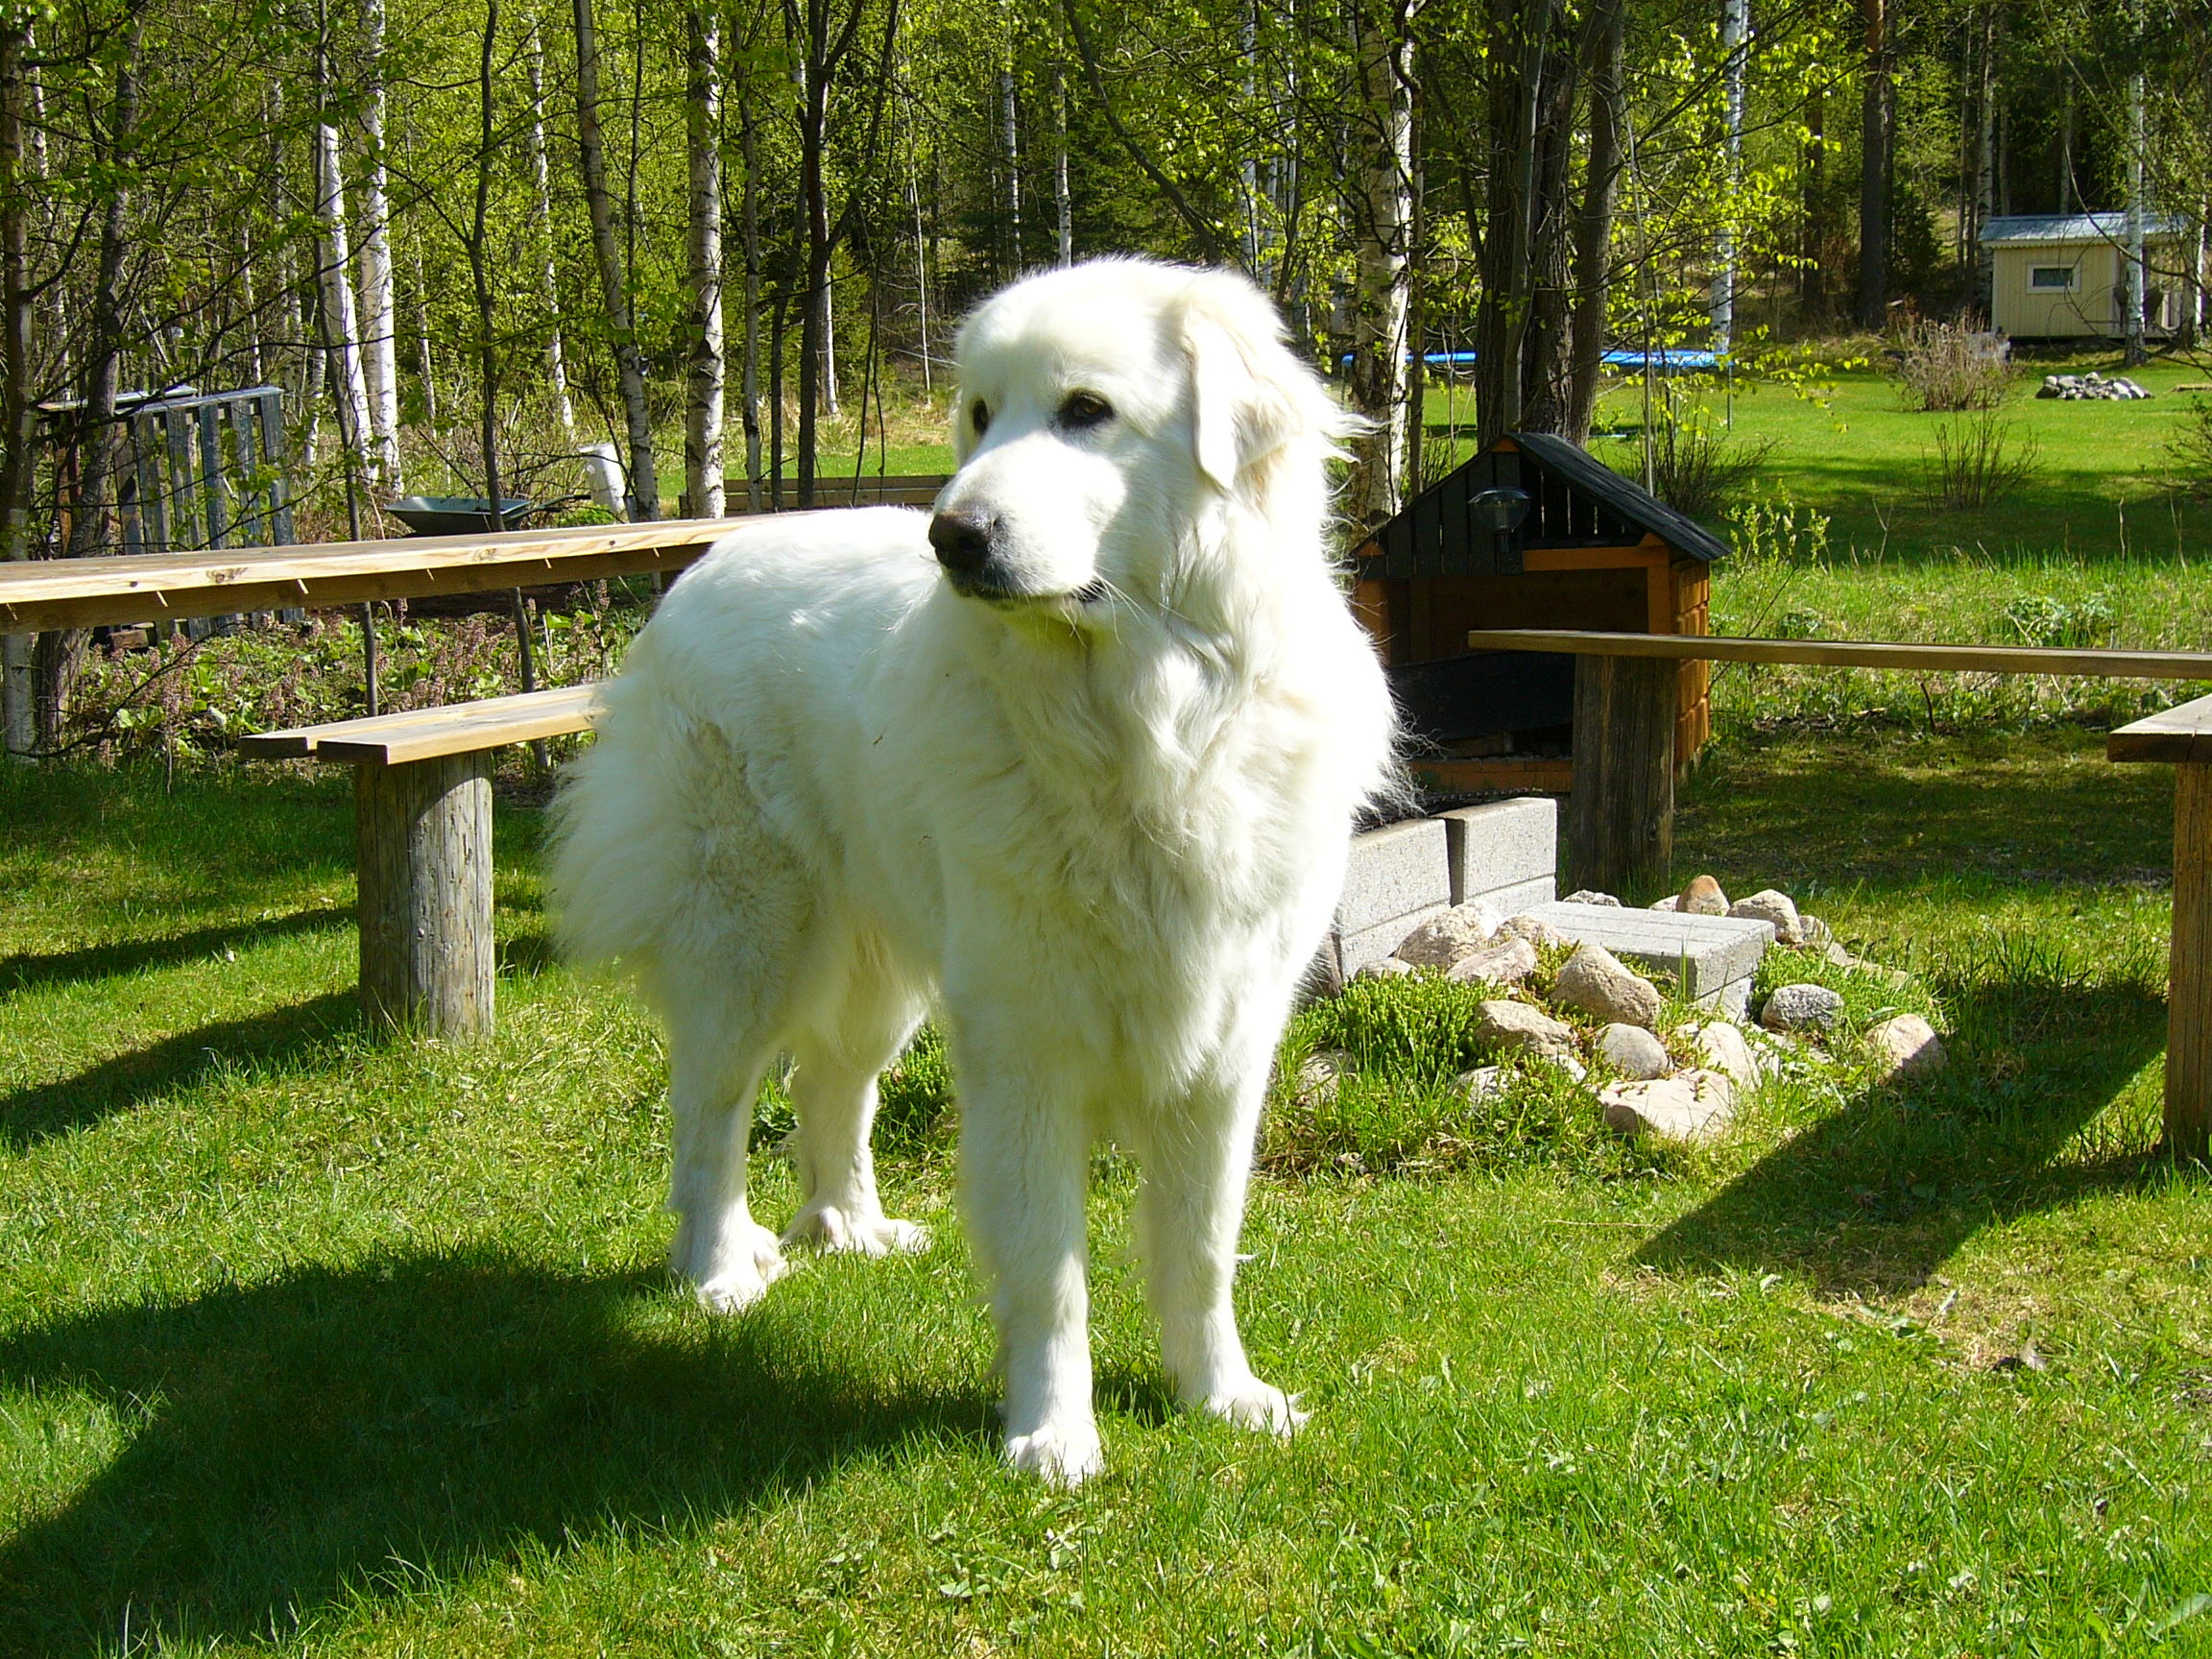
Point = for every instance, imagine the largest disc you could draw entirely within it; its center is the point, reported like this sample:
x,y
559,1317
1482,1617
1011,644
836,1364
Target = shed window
x,y
2051,275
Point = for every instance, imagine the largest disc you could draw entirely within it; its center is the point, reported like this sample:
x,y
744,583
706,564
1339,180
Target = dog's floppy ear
x,y
1249,396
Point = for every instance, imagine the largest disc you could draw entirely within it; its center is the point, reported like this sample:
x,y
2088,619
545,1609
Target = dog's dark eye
x,y
1084,410
980,416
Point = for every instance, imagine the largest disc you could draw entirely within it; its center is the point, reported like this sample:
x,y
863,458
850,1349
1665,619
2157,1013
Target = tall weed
x,y
1945,367
1979,459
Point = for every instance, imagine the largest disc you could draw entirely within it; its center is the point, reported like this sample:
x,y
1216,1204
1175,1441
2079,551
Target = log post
x,y
424,831
1621,817
2189,994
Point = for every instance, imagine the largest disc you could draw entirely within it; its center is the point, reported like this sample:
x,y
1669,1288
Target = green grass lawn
x,y
320,1344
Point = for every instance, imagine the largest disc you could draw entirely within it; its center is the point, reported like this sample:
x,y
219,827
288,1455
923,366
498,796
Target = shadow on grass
x,y
130,955
1876,1197
287,1035
296,1443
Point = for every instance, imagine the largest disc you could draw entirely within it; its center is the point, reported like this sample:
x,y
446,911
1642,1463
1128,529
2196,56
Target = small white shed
x,y
2062,276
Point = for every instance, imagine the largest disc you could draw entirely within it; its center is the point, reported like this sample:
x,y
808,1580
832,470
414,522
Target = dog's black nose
x,y
964,542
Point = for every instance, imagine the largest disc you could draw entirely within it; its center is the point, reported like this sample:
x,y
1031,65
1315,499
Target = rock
x,y
1320,1078
1584,896
1517,1028
1483,1082
1694,1105
1668,903
1801,1008
1702,897
1595,983
1507,962
1533,928
1442,940
1815,934
1567,1063
1906,1046
1726,1050
1633,1051
1768,905
1384,967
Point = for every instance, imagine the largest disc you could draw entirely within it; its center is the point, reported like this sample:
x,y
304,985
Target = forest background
x,y
470,239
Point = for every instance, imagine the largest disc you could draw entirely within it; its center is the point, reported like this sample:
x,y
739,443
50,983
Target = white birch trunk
x,y
2131,285
379,329
1381,223
541,181
1062,201
1735,37
344,322
704,380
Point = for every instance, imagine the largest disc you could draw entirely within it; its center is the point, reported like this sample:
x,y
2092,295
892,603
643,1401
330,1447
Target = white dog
x,y
1074,761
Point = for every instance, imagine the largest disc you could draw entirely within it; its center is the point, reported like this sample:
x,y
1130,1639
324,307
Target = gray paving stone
x,y
1518,899
1720,953
1502,844
1399,870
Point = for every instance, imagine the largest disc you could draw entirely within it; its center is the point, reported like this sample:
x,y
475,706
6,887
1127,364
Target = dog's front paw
x,y
745,1262
1059,1453
1257,1405
828,1227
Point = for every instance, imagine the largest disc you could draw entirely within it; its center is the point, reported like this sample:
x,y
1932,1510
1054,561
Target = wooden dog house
x,y
1593,550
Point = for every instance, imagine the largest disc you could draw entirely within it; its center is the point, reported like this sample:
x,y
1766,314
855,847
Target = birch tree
x,y
1381,205
379,323
703,376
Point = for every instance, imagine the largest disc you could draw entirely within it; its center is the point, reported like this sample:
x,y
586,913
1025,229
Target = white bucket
x,y
603,468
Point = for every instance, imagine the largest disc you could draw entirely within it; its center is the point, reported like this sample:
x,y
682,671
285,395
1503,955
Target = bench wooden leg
x,y
2189,997
424,831
1621,817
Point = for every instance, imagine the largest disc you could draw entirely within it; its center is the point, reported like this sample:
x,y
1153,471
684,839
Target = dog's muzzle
x,y
969,546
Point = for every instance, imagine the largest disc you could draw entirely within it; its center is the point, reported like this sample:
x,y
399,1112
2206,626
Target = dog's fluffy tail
x,y
605,872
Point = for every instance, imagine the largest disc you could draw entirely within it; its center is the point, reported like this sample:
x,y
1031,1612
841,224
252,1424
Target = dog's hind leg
x,y
1197,1159
712,1082
863,1024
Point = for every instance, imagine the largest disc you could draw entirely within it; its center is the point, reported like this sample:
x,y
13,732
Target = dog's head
x,y
1104,412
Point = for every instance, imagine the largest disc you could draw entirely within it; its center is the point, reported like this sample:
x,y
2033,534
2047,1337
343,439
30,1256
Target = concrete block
x,y
1716,954
1502,843
1355,951
1518,899
1399,870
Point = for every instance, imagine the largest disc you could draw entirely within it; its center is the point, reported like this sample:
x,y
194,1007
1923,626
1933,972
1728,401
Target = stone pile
x,y
2077,388
1683,1084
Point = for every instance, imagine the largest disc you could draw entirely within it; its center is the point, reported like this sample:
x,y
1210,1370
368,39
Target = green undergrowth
x,y
313,1342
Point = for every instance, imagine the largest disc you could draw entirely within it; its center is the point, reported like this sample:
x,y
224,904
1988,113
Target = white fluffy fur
x,y
1100,828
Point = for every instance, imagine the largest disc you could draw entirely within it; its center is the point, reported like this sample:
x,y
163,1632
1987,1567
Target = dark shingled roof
x,y
1574,501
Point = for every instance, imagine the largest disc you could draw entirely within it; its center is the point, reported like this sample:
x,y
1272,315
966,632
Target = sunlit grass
x,y
318,1343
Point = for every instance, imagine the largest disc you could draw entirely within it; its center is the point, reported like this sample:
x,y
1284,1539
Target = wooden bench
x,y
1620,813
2182,737
423,825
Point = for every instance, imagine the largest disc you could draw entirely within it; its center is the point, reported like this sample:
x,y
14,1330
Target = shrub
x,y
2042,620
1979,459
1698,471
2189,450
1946,369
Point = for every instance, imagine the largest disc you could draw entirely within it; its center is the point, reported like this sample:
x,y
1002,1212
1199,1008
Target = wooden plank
x,y
2189,994
1853,654
87,593
1593,559
427,734
2181,734
1535,775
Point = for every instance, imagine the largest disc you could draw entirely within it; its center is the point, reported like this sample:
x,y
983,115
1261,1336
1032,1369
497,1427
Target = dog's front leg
x,y
1025,1153
1197,1160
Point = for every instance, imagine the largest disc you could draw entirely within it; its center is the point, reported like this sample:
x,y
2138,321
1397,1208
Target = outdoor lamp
x,y
1503,511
